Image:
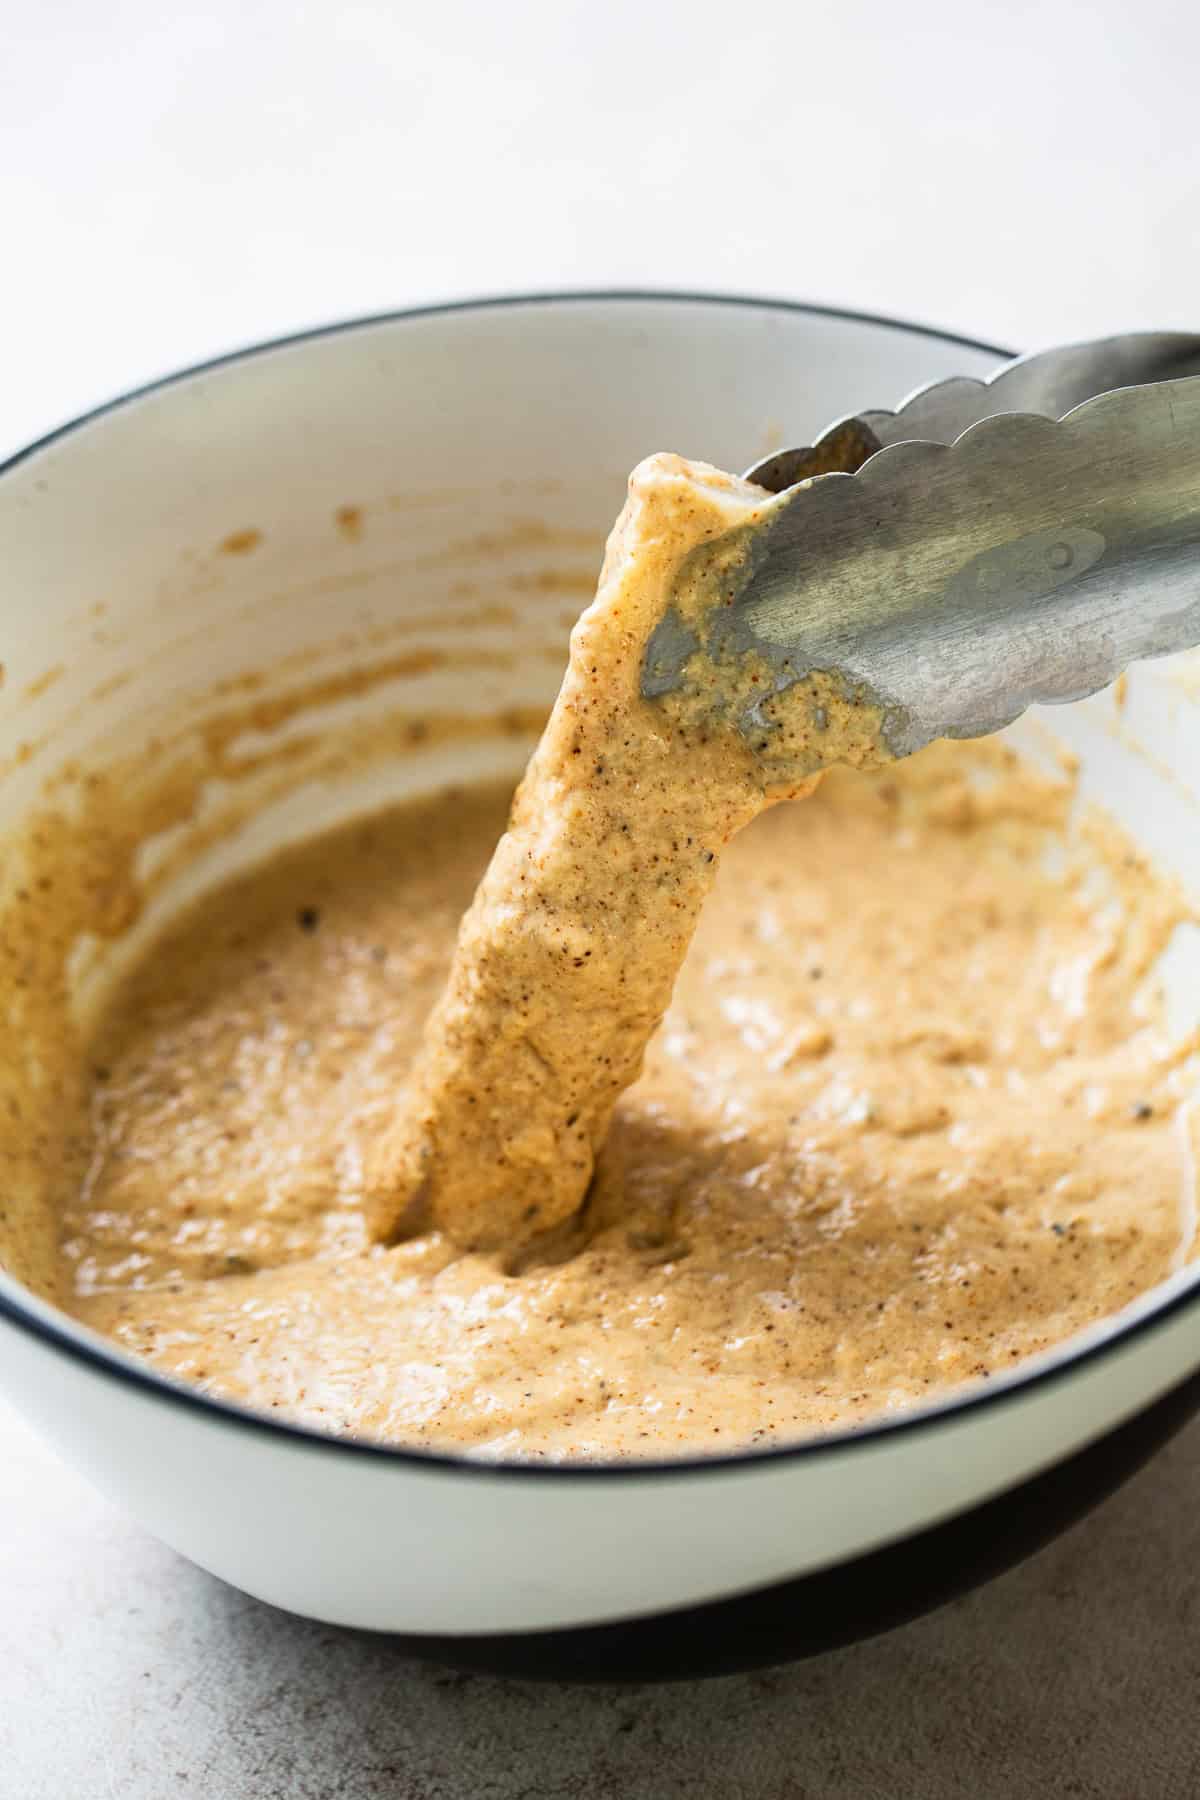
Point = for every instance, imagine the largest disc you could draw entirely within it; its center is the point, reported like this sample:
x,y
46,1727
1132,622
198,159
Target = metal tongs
x,y
987,545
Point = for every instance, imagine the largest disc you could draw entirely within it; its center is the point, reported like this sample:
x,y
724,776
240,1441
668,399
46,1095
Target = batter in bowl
x,y
912,1114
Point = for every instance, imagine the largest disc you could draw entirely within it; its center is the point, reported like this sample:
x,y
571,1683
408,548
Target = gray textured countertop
x,y
130,1675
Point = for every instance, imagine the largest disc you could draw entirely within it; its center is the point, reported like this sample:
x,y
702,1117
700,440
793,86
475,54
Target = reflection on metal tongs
x,y
986,546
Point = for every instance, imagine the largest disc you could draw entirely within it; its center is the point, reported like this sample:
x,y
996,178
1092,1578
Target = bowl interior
x,y
306,581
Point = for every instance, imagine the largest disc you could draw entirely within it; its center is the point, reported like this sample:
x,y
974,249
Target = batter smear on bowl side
x,y
706,1128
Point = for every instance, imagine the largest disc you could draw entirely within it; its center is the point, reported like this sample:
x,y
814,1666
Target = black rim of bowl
x,y
114,1365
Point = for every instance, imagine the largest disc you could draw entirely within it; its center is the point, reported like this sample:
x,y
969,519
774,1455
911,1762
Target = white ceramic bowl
x,y
500,413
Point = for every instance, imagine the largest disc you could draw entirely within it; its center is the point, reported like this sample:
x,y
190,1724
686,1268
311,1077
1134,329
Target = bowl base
x,y
836,1606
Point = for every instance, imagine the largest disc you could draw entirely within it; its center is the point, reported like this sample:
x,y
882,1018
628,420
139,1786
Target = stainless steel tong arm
x,y
1023,558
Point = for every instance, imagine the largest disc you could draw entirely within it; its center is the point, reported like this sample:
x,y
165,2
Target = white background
x,y
176,181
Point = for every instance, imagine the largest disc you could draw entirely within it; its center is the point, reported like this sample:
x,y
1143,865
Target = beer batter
x,y
911,1116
